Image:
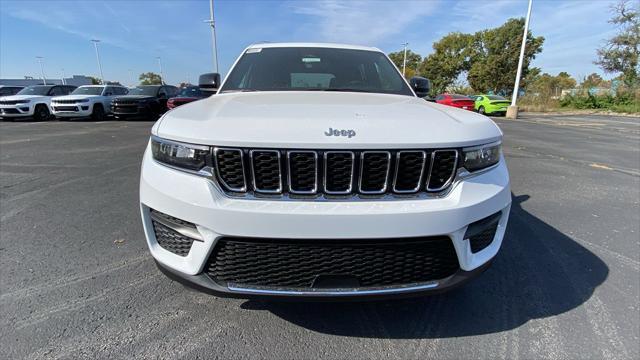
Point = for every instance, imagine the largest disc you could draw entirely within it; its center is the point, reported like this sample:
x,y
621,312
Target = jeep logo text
x,y
335,132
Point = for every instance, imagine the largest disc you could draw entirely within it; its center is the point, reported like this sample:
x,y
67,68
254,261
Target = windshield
x,y
35,90
144,90
190,92
315,69
496,97
89,90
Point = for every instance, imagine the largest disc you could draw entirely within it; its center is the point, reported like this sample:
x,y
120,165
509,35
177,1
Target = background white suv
x,y
87,101
32,101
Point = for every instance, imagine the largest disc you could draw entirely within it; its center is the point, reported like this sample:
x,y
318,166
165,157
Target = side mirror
x,y
209,81
420,85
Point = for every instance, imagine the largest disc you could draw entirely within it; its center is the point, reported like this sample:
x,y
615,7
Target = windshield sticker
x,y
310,59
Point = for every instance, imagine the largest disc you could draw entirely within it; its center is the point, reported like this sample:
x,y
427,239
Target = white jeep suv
x,y
316,171
87,101
32,101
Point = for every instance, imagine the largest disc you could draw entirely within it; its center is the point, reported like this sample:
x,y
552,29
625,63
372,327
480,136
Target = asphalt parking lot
x,y
78,282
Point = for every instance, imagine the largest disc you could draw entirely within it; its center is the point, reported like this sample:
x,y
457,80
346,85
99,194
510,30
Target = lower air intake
x,y
297,264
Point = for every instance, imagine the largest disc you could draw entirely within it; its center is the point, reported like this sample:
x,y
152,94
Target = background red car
x,y
187,95
459,101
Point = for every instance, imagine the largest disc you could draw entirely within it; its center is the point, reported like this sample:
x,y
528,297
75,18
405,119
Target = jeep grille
x,y
334,173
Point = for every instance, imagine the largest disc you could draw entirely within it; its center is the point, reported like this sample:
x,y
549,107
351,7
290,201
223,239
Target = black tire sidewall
x,y
41,113
481,110
97,109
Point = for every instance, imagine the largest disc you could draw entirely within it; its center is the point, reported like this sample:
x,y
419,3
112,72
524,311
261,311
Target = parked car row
x,y
484,104
41,102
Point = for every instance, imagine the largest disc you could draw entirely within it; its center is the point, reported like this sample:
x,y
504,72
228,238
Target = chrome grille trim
x,y
386,181
253,174
395,176
451,176
315,158
217,168
324,178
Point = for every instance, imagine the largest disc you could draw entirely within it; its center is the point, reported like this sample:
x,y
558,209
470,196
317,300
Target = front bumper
x,y
15,111
129,111
73,110
200,201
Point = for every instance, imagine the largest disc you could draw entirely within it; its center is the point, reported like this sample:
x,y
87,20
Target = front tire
x,y
481,110
98,113
41,113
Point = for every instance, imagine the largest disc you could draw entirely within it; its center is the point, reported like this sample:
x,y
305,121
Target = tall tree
x,y
621,52
451,56
150,78
593,80
95,81
547,85
496,53
412,60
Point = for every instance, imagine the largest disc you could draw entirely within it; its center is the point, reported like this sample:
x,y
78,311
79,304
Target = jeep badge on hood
x,y
335,132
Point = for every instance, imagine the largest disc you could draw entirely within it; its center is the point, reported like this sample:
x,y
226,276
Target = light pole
x,y
95,44
214,42
44,80
512,111
63,82
404,61
161,75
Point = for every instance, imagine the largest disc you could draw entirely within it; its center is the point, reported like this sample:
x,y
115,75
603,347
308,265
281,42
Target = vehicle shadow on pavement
x,y
539,273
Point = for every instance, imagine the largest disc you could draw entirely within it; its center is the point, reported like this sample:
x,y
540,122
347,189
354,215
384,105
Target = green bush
x,y
621,102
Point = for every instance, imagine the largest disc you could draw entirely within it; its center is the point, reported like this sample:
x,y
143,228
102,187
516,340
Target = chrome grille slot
x,y
442,170
266,170
409,171
374,171
229,164
338,172
303,172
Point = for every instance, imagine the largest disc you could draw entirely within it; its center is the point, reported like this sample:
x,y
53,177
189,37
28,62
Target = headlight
x,y
82,101
480,157
23,101
181,155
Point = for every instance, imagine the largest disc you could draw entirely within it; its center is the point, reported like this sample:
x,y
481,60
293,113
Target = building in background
x,y
76,80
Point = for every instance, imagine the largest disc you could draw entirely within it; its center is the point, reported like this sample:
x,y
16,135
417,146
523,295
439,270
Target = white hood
x,y
74,97
26,97
302,119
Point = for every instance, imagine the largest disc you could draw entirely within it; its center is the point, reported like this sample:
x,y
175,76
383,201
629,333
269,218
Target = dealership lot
x,y
78,281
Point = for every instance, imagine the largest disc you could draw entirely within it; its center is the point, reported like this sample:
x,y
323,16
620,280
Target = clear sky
x,y
134,33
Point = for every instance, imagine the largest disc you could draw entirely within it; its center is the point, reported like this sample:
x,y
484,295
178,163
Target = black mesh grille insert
x,y
230,168
338,172
444,164
483,239
303,172
375,171
297,263
267,174
410,165
171,240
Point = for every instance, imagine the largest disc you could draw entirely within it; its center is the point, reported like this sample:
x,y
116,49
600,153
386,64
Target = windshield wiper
x,y
238,90
345,89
